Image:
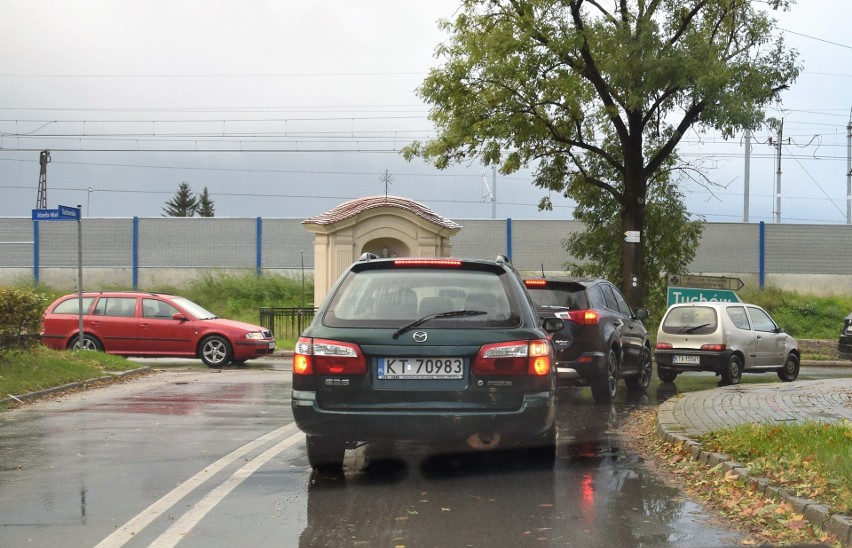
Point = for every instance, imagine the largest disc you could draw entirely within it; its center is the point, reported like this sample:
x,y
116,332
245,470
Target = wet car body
x,y
444,351
602,340
151,325
726,338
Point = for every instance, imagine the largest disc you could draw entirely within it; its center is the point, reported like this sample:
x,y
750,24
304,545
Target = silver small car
x,y
726,338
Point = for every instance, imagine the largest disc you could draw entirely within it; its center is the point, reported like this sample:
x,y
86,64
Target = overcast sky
x,y
306,104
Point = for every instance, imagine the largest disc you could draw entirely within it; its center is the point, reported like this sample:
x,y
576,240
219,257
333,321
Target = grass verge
x,y
766,520
39,368
811,460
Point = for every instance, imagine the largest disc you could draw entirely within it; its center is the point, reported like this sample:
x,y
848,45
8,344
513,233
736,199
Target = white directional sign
x,y
706,282
632,236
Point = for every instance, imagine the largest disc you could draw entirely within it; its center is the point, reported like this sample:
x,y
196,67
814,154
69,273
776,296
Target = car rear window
x,y
562,296
695,320
72,305
390,297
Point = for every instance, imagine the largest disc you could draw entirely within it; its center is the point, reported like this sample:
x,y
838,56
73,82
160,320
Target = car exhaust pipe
x,y
483,442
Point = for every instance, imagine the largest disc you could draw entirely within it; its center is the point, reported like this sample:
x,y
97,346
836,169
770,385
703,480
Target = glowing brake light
x,y
584,317
535,283
514,358
427,262
325,357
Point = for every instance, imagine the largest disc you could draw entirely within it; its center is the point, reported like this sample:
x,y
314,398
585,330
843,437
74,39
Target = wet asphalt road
x,y
205,458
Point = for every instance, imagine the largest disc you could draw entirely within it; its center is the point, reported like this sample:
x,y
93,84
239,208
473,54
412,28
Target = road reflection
x,y
597,493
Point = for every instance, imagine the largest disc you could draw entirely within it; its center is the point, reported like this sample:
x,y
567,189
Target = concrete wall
x,y
811,259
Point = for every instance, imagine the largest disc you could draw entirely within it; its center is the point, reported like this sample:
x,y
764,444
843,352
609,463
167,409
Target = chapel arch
x,y
374,224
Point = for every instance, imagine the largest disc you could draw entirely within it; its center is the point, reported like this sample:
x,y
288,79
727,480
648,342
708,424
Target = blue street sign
x,y
63,213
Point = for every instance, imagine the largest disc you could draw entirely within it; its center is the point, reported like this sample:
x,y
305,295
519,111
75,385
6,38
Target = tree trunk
x,y
633,217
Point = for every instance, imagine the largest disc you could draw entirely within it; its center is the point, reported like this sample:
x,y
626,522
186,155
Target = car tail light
x,y
514,358
535,283
713,347
664,346
584,317
325,357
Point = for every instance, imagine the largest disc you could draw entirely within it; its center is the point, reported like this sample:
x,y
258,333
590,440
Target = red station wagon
x,y
152,325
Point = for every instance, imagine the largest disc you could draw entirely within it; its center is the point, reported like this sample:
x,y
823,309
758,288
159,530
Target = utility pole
x,y
493,191
41,196
778,175
849,170
747,174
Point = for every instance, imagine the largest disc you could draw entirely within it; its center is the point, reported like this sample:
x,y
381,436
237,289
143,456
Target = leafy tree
x,y
183,204
205,205
670,237
600,94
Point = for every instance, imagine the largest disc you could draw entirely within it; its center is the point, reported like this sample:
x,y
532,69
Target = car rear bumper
x,y
588,368
709,361
536,415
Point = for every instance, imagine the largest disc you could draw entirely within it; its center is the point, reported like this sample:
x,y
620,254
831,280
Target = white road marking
x,y
126,532
190,519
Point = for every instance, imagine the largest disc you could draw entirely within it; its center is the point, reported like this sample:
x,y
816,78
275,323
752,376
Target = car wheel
x,y
89,343
665,374
733,371
790,370
215,351
604,391
642,380
542,450
325,452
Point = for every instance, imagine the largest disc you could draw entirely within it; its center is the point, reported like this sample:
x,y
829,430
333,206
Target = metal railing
x,y
286,322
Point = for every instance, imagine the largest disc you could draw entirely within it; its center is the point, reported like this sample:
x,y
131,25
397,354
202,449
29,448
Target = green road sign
x,y
677,295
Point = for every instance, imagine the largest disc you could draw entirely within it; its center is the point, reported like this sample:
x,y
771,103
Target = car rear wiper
x,y
450,314
693,328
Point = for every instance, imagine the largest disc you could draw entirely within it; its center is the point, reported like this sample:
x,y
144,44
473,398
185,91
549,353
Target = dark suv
x,y
603,339
431,350
844,344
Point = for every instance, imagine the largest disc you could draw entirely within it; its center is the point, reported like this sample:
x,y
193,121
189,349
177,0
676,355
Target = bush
x,y
20,317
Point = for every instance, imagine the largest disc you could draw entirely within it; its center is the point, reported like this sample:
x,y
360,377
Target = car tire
x,y
325,452
642,380
733,371
215,351
790,371
542,450
665,374
604,391
89,343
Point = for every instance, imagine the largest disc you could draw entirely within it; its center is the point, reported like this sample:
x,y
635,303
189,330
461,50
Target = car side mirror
x,y
641,313
552,325
180,317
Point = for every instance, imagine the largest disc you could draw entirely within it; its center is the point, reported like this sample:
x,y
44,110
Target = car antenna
x,y
542,271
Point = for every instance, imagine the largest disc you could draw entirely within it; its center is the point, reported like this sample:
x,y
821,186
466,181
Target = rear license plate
x,y
686,360
420,368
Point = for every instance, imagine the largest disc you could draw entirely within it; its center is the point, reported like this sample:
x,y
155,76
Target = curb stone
x,y
839,525
48,391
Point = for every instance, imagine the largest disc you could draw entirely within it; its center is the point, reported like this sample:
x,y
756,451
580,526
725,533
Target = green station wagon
x,y
436,350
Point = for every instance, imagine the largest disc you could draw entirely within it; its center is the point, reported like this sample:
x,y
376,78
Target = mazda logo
x,y
420,336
